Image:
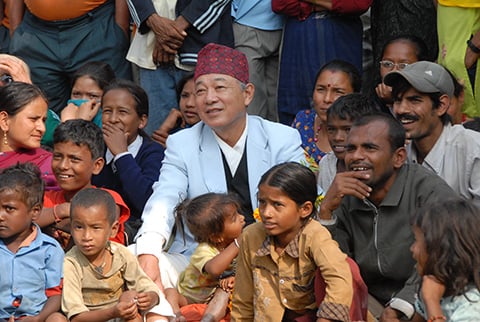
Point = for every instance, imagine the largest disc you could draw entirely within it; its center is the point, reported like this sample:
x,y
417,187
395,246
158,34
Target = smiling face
x,y
26,128
369,151
416,113
91,230
222,104
73,167
15,216
187,103
419,250
119,110
337,131
281,216
329,86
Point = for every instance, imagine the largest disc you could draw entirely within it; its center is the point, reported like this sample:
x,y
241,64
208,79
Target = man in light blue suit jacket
x,y
193,163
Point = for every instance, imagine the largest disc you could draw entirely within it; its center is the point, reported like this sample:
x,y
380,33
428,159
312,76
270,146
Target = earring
x,y
5,140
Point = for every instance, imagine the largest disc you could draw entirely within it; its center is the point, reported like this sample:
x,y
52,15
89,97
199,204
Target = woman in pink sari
x,y
23,111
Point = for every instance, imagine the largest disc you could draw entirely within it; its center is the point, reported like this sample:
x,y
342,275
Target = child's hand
x,y
115,138
126,310
88,110
228,283
146,300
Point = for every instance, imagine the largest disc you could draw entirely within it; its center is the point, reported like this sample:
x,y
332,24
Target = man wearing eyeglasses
x,y
422,93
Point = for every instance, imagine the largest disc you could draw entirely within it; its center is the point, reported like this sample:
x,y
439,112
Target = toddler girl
x,y
447,251
215,222
280,255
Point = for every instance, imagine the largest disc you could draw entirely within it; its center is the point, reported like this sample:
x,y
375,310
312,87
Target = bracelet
x,y
472,46
236,243
434,318
57,219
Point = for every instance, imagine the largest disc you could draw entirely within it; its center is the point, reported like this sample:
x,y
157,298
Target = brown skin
x,y
15,10
470,56
169,36
122,16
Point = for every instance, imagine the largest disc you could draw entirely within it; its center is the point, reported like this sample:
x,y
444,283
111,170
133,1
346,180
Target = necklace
x,y
99,269
317,131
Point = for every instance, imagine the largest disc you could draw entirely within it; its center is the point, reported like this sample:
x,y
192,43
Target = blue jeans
x,y
160,85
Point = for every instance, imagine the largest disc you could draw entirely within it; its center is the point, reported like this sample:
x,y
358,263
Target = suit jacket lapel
x,y
211,163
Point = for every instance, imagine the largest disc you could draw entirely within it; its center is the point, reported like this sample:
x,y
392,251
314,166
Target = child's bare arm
x,y
54,214
146,300
432,292
222,261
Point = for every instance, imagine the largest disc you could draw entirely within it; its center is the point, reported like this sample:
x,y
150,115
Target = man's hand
x,y
390,315
167,34
470,56
149,264
345,183
14,67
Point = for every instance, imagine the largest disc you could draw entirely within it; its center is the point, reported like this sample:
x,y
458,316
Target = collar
x,y
30,238
233,155
393,196
292,248
434,159
133,149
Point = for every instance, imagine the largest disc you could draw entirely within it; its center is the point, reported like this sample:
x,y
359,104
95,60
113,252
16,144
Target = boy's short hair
x,y
81,132
25,178
352,107
90,197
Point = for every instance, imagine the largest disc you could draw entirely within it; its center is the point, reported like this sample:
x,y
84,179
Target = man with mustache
x,y
422,93
367,209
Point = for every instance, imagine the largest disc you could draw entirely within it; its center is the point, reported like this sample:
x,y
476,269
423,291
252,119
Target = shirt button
x,y
284,301
282,281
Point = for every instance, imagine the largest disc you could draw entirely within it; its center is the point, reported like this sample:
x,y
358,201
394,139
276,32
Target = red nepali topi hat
x,y
219,59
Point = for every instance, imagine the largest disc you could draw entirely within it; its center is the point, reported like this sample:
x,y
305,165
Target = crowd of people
x,y
253,167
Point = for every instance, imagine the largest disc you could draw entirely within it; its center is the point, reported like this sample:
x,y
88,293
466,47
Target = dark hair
x,y
450,229
396,132
421,50
81,132
90,197
205,215
295,180
351,107
473,124
25,179
457,87
402,86
101,72
138,93
16,95
338,65
181,84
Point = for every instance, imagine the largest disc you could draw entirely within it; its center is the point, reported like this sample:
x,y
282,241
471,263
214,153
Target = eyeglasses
x,y
387,64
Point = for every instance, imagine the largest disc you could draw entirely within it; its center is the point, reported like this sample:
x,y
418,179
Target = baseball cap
x,y
424,76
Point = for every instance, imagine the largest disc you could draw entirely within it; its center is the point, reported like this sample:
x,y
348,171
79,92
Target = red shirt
x,y
53,198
